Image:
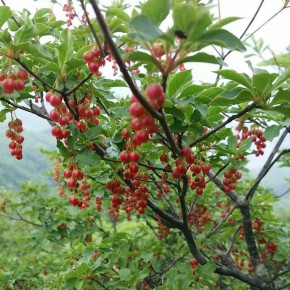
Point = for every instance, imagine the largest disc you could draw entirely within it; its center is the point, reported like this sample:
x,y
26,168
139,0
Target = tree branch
x,y
229,120
159,116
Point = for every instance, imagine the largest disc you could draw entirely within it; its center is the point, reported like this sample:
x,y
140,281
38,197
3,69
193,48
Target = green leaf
x,y
223,38
282,78
5,14
88,157
3,114
34,48
65,50
272,131
239,78
41,12
145,28
52,67
139,56
157,10
62,149
178,82
283,109
37,30
282,96
245,146
191,19
203,57
232,97
263,83
120,14
232,143
191,90
224,22
125,274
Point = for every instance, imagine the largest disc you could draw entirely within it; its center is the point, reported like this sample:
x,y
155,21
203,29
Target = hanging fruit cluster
x,y
13,81
13,133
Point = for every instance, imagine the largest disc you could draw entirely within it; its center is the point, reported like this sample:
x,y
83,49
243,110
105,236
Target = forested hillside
x,y
34,166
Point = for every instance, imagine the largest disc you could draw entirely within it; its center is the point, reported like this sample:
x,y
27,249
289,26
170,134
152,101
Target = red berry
x,y
22,75
156,95
8,86
3,76
134,156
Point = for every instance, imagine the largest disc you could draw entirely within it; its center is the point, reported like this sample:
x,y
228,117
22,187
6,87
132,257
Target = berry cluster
x,y
13,81
63,117
256,135
194,265
74,181
199,170
230,179
13,133
70,14
142,122
163,230
199,216
181,163
94,60
98,201
110,58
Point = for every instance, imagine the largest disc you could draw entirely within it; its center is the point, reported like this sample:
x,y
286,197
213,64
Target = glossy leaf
x,y
65,49
232,97
272,131
157,10
5,14
178,83
203,57
263,83
223,38
145,28
240,78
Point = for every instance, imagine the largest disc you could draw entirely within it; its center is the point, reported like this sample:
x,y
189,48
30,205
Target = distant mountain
x,y
34,165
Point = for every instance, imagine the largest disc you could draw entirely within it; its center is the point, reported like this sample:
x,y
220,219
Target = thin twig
x,y
265,171
213,231
92,29
229,120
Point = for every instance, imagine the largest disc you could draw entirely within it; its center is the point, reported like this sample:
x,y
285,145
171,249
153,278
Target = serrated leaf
x,y
223,38
5,14
145,28
52,67
272,131
157,10
239,78
178,82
